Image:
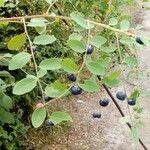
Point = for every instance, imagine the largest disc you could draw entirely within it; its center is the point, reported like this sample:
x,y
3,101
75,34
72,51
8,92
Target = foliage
x,y
37,51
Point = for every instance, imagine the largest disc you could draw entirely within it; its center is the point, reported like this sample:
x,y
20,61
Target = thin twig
x,y
85,55
47,12
33,57
67,18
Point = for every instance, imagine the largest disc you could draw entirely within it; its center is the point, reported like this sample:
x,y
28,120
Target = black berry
x,y
49,123
90,49
71,77
104,102
121,95
138,40
75,90
96,115
132,101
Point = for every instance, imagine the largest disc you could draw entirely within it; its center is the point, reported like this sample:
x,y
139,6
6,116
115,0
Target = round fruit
x,y
132,101
71,77
121,95
75,90
138,40
104,102
39,105
90,49
96,115
49,123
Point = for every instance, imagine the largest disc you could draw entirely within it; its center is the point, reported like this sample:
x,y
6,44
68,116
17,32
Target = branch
x,y
67,18
33,57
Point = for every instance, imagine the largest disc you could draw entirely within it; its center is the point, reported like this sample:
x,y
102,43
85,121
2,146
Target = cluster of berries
x,y
121,95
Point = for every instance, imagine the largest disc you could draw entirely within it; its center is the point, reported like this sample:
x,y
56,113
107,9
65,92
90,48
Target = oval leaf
x,y
69,65
51,64
17,42
56,89
18,61
98,41
75,36
44,39
38,22
24,86
58,117
109,49
77,17
90,85
38,117
96,68
41,73
77,46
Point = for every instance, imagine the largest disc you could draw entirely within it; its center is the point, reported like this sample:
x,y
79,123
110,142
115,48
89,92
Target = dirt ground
x,y
106,133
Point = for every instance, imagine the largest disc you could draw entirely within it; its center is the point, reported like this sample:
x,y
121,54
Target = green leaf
x,y
109,49
111,83
127,40
6,117
112,78
105,62
20,60
125,120
17,42
124,25
114,74
24,86
77,46
5,101
41,30
58,117
135,94
75,36
135,134
37,22
2,3
69,65
113,21
98,41
38,117
44,39
96,68
78,18
56,89
131,61
90,85
3,23
41,73
51,64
